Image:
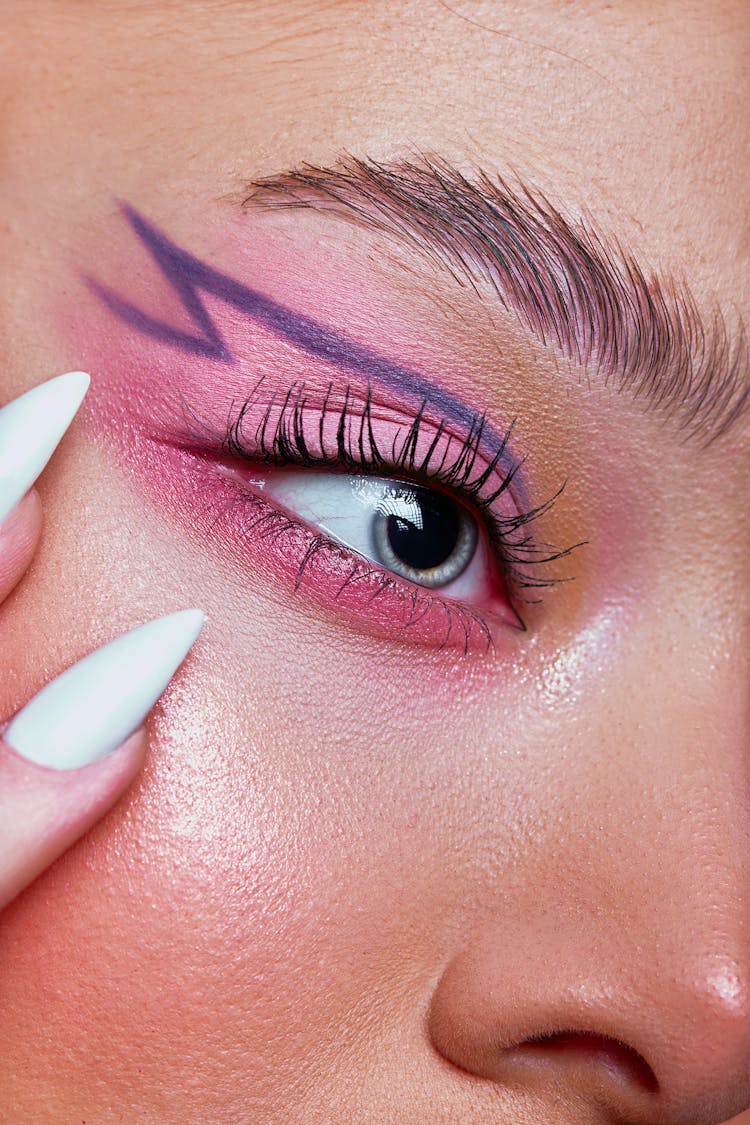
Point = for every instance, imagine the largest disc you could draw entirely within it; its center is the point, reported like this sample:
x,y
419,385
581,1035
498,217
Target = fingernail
x,y
31,427
92,707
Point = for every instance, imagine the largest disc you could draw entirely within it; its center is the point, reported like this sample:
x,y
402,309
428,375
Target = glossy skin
x,y
356,873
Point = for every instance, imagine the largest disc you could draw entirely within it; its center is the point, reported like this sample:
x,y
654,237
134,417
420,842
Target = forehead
x,y
621,109
619,112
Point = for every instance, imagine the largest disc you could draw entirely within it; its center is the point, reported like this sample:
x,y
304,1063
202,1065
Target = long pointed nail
x,y
31,427
92,707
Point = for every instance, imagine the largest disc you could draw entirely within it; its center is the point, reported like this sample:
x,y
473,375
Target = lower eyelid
x,y
343,507
315,567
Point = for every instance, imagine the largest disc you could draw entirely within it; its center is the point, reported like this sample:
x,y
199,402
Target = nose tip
x,y
626,1051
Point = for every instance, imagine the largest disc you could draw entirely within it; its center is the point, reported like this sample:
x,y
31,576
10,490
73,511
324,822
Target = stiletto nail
x,y
31,427
92,707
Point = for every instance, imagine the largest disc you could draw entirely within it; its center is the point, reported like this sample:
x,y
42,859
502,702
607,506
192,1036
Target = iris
x,y
422,534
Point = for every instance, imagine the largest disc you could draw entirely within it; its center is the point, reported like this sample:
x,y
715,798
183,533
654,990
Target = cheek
x,y
226,922
221,912
257,891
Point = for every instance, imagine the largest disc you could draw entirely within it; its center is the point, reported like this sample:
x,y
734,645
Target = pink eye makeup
x,y
363,483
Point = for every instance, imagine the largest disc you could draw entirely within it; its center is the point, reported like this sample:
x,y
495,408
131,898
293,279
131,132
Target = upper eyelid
x,y
283,420
514,555
188,276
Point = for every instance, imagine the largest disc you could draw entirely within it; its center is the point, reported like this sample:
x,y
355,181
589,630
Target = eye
x,y
403,524
419,533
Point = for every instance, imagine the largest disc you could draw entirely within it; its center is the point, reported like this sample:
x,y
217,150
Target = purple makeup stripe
x,y
188,276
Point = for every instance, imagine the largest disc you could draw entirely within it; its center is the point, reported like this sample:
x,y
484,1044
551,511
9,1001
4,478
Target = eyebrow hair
x,y
572,287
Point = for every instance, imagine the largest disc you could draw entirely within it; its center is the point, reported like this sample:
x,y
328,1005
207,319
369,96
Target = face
x,y
393,314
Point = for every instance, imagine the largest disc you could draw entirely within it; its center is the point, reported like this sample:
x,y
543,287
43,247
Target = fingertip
x,y
127,760
86,712
44,811
19,539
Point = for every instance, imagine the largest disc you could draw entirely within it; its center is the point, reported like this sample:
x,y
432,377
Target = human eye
x,y
418,533
401,520
381,493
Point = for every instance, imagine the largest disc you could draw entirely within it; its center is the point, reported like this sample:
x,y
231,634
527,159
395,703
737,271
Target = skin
x,y
356,874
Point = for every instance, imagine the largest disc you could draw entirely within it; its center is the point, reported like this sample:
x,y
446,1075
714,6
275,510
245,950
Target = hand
x,y
68,755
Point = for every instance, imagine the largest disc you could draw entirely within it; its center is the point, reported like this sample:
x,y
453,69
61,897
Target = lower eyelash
x,y
463,626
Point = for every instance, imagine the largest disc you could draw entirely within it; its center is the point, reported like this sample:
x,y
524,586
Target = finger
x,y
44,811
69,753
19,536
31,427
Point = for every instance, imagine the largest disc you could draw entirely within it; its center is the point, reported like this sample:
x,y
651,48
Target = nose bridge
x,y
636,957
673,774
693,720
683,737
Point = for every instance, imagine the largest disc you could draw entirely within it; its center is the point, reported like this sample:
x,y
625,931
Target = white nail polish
x,y
92,707
31,427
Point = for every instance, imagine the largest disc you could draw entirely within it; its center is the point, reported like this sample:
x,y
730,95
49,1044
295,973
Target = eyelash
x,y
281,438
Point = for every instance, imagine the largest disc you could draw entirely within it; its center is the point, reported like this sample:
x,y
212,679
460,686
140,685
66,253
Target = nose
x,y
663,1048
609,974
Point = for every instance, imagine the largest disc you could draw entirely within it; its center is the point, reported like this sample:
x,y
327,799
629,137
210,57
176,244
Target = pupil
x,y
427,543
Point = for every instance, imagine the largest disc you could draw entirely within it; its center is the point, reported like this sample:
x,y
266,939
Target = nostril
x,y
600,1051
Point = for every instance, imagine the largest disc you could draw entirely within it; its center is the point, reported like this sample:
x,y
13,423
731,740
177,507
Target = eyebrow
x,y
574,288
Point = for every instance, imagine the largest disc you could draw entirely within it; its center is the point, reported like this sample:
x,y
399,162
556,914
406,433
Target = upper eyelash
x,y
280,438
